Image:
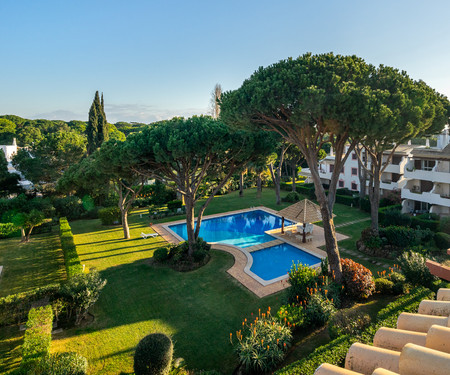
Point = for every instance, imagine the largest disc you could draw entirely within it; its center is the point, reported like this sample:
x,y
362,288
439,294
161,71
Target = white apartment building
x,y
421,173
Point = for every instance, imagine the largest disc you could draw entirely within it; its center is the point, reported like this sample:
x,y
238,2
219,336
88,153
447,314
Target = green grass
x,y
30,265
198,309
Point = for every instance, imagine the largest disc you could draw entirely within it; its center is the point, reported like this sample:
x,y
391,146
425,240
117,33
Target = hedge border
x,y
38,335
336,350
71,258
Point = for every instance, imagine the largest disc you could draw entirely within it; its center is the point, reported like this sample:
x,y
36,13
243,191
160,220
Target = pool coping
x,y
242,258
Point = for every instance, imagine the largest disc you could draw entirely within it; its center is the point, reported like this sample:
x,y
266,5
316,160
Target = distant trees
x,y
44,163
27,221
97,129
7,131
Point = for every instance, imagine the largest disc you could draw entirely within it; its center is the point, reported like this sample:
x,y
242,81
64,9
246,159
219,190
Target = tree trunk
x,y
29,234
294,174
362,174
328,223
241,184
258,185
374,195
23,237
276,182
126,229
190,223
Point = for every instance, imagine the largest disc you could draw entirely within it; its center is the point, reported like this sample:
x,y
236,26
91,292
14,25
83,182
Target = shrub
x,y
8,230
66,363
38,336
153,355
293,314
413,266
396,277
442,240
403,237
179,253
444,226
199,255
319,310
292,197
347,322
71,259
263,345
161,254
301,277
383,286
81,292
306,189
110,215
70,207
424,222
364,204
357,279
174,205
390,215
347,200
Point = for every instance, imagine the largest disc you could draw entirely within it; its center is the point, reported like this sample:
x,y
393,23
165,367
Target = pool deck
x,y
240,259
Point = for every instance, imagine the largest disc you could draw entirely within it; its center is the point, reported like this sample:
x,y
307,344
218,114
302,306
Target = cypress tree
x,y
97,128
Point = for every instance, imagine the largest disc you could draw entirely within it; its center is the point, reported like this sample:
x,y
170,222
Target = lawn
x,y
29,265
26,266
198,309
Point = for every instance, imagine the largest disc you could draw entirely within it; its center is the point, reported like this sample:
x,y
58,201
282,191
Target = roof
x,y
432,153
304,211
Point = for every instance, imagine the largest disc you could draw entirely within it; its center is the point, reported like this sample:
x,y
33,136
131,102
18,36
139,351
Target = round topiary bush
x,y
153,355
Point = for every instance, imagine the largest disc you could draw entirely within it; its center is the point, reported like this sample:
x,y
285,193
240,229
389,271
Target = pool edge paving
x,y
241,260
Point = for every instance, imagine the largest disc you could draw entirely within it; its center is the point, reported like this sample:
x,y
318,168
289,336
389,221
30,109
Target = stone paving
x,y
352,222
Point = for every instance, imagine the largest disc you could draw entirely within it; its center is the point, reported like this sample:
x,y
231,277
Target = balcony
x,y
427,197
388,185
433,175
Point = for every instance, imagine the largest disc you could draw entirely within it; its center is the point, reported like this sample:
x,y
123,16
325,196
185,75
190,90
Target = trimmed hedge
x,y
335,351
71,259
347,200
425,223
38,335
14,308
306,189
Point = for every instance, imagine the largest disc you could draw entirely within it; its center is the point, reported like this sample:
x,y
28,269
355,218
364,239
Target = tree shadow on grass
x,y
197,309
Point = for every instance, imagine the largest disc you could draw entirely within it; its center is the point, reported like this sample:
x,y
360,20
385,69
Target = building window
x,y
341,183
342,170
331,168
354,186
354,171
354,157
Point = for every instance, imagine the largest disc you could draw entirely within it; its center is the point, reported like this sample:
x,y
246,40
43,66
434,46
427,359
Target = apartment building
x,y
421,173
10,151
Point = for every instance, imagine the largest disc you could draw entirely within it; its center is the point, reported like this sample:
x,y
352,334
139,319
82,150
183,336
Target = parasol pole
x,y
282,224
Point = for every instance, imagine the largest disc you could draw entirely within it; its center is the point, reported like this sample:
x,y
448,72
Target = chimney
x,y
14,142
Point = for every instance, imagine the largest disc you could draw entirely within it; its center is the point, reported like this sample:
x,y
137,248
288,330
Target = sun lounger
x,y
149,235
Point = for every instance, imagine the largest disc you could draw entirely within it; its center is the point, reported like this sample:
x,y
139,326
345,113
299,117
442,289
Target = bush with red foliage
x,y
357,279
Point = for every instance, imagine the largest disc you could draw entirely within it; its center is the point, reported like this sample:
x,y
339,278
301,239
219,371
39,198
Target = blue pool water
x,y
242,230
277,260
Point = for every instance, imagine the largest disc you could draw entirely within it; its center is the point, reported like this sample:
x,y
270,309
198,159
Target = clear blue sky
x,y
157,59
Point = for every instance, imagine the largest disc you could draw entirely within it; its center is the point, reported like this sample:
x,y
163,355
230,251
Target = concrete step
x,y
264,245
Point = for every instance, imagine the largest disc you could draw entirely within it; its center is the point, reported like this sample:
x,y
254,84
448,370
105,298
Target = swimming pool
x,y
274,262
242,230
